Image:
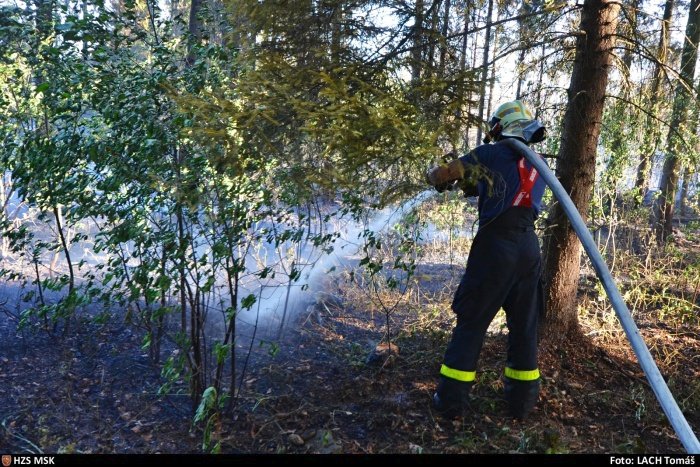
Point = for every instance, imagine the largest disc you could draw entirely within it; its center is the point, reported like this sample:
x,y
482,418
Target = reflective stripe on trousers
x,y
522,375
459,375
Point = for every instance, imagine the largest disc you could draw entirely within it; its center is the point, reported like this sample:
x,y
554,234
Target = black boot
x,y
452,397
521,396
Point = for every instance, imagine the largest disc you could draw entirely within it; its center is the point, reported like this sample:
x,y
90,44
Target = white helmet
x,y
513,119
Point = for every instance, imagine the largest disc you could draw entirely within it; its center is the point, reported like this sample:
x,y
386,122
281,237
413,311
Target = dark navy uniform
x,y
503,271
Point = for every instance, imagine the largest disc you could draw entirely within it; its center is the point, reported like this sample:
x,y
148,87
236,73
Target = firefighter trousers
x,y
503,271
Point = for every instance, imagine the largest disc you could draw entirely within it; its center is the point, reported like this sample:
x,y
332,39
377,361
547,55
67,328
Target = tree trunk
x,y
484,72
540,77
195,351
523,29
5,194
433,34
521,75
492,78
336,19
632,24
625,116
684,192
443,37
576,161
651,132
62,237
664,209
462,67
195,30
417,50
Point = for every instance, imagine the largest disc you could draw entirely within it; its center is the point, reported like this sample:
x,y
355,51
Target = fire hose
x,y
646,361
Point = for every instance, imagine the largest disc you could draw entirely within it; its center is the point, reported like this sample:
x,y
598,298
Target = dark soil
x,y
325,391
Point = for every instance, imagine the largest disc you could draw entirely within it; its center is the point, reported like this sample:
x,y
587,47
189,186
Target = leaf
x,y
146,343
221,351
248,301
43,87
206,405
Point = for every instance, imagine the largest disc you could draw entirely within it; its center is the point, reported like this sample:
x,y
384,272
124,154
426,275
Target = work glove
x,y
445,177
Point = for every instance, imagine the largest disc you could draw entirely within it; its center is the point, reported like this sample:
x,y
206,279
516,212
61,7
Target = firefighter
x,y
504,265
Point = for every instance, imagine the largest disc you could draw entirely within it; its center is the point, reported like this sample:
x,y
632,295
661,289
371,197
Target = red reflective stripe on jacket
x,y
527,181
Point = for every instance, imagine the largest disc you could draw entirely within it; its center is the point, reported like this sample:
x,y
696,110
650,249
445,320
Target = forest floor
x,y
325,390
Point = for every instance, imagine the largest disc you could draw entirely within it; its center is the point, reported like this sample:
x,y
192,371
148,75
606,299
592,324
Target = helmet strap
x,y
494,132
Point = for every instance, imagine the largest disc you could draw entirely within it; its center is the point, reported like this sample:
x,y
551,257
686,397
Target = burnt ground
x,y
325,391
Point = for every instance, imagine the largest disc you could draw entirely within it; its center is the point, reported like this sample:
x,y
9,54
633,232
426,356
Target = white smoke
x,y
280,303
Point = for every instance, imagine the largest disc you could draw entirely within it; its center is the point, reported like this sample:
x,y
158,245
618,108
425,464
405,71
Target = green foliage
x,y
89,133
177,168
206,406
171,372
208,412
389,264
